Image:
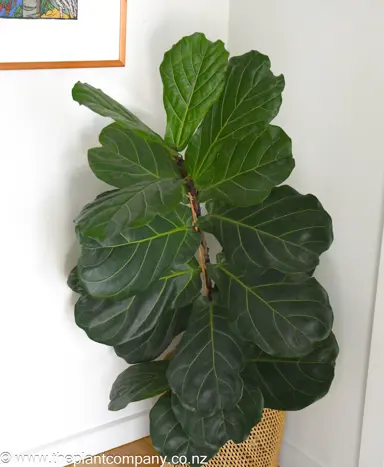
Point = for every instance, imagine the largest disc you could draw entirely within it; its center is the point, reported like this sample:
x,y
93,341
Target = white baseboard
x,y
293,457
95,441
127,430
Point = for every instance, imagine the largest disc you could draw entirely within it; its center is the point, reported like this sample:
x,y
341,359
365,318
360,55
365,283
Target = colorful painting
x,y
45,9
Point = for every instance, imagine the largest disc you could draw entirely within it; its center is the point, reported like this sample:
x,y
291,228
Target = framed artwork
x,y
38,34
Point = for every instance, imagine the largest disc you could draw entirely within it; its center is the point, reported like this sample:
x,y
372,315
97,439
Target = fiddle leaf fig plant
x,y
253,326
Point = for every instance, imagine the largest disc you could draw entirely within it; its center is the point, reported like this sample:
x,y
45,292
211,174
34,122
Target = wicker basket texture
x,y
261,449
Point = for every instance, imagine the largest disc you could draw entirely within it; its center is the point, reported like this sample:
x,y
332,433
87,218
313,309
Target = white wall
x,y
331,53
55,382
372,449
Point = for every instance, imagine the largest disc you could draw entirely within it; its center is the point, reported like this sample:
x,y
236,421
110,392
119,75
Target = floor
x,y
125,455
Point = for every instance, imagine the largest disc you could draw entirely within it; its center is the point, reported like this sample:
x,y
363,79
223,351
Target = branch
x,y
204,258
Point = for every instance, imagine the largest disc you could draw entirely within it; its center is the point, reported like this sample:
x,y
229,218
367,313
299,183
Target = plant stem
x,y
204,258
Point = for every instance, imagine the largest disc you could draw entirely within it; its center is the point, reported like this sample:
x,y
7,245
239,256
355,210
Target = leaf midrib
x,y
285,362
211,322
237,105
258,231
182,123
250,290
137,242
119,154
253,169
94,212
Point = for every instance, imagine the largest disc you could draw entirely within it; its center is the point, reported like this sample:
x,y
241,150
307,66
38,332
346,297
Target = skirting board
x,y
98,440
293,457
129,429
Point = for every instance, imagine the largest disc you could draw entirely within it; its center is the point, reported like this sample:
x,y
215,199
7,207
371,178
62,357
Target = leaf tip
x,y
113,407
77,88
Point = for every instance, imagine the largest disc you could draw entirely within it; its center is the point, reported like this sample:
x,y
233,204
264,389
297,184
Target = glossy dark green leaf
x,y
231,424
102,104
74,282
205,370
193,74
282,317
127,264
245,171
251,99
152,343
137,204
170,440
138,382
126,159
288,231
293,384
149,315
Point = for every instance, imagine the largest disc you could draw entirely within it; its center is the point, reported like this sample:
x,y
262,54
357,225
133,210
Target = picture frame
x,y
119,61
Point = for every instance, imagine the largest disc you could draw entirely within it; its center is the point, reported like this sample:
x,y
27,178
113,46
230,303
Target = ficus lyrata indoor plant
x,y
255,325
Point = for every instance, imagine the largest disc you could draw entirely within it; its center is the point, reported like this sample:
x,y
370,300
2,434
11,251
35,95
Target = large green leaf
x,y
112,214
231,424
154,342
205,370
127,264
126,159
288,231
170,440
138,382
293,384
102,104
282,316
141,324
245,171
193,74
251,99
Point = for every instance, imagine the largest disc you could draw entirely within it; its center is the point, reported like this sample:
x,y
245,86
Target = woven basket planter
x,y
261,449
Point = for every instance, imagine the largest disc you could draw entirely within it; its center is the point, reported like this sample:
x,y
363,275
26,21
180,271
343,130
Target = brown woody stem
x,y
196,213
